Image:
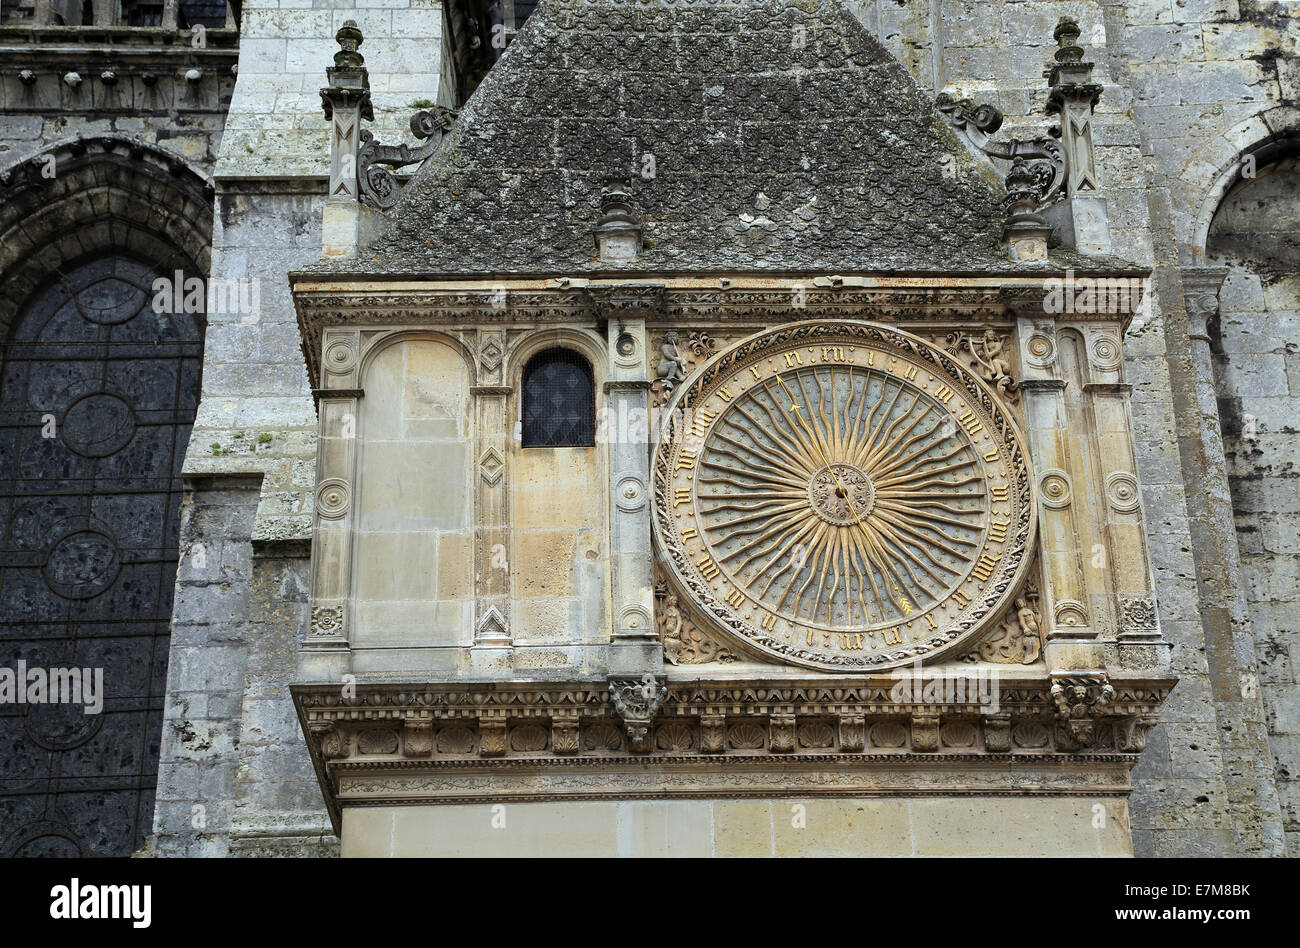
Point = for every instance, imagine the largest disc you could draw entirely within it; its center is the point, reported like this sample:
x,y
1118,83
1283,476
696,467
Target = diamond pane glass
x,y
559,401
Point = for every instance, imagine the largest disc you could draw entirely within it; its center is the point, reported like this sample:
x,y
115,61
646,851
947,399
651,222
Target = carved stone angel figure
x,y
997,368
673,366
670,628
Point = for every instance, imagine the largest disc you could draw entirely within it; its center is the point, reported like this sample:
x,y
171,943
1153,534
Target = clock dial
x,y
842,494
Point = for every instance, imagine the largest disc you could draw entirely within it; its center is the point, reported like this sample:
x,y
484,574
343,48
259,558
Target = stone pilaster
x,y
1118,507
326,654
493,649
1070,625
635,650
1229,645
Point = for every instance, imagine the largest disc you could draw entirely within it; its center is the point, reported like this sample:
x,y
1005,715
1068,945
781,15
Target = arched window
x,y
559,401
98,393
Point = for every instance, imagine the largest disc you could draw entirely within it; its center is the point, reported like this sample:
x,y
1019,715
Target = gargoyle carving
x,y
637,701
1079,700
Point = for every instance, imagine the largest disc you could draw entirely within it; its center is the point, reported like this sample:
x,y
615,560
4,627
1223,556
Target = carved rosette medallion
x,y
843,494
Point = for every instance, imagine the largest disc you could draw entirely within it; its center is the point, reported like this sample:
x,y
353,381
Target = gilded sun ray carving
x,y
844,496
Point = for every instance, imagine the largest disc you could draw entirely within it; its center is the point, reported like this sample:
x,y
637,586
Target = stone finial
x,y
349,80
345,101
1065,34
1025,230
1071,77
1073,96
618,229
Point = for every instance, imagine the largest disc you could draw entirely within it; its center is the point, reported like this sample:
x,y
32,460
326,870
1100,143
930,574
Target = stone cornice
x,y
51,37
757,775
694,301
460,741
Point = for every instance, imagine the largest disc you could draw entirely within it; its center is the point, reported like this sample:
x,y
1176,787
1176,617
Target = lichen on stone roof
x,y
757,134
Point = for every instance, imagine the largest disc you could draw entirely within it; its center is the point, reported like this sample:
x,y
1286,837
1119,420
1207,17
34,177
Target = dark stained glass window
x,y
98,391
559,401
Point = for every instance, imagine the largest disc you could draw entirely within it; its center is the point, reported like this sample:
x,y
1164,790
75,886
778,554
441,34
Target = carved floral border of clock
x,y
695,572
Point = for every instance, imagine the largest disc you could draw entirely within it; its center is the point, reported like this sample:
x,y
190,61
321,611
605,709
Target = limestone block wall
x,y
413,595
1211,81
1187,87
1256,341
558,537
276,126
1259,403
702,829
257,418
149,98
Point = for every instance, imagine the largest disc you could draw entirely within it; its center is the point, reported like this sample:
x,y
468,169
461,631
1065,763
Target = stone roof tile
x,y
760,135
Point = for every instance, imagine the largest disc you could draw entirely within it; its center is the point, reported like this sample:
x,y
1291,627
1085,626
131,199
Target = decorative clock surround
x,y
842,494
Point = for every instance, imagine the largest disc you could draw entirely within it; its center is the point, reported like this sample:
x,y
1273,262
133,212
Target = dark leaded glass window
x,y
559,401
97,394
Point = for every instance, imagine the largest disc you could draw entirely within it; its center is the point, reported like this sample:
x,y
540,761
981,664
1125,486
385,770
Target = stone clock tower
x,y
717,457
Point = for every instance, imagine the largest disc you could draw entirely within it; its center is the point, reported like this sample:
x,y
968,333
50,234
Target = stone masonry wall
x,y
1256,233
150,100
1178,75
257,417
1212,80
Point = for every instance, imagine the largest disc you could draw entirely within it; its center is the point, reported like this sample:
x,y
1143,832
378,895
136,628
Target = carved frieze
x,y
417,740
321,306
1084,722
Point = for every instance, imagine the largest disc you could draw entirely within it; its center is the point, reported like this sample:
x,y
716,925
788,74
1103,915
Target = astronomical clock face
x,y
843,495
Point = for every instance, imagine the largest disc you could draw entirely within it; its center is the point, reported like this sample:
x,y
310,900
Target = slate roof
x,y
783,137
